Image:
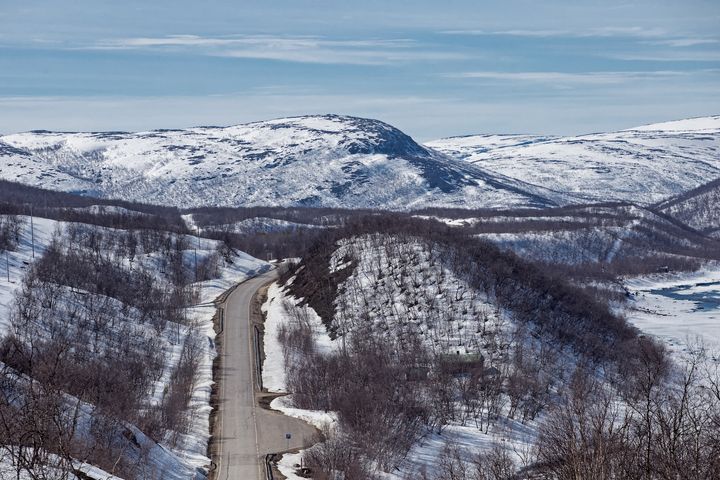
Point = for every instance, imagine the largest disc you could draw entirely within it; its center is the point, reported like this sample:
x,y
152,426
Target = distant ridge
x,y
320,160
349,162
644,164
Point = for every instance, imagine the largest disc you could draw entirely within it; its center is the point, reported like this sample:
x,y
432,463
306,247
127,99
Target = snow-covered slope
x,y
182,454
698,208
610,233
340,161
709,124
644,164
329,160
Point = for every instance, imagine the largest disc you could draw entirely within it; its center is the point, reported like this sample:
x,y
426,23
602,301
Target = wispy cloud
x,y
640,35
645,36
667,56
303,49
684,42
515,33
583,78
600,32
633,32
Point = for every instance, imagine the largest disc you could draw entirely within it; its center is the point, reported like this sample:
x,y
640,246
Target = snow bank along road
x,y
247,432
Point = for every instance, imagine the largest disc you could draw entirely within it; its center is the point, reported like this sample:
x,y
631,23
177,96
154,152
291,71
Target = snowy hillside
x,y
122,335
261,225
433,344
447,313
340,161
698,208
401,291
709,124
329,160
644,164
619,234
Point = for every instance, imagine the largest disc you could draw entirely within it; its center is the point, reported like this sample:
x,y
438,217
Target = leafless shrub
x,y
336,459
494,464
10,229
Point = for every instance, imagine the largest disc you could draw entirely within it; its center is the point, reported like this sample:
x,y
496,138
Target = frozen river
x,y
705,295
680,310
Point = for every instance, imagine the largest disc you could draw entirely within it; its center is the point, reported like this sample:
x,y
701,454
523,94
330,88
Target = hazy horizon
x,y
432,71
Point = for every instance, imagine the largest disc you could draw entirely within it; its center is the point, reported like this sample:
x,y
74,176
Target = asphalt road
x,y
247,431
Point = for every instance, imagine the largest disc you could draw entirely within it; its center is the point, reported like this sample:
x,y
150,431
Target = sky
x,y
431,68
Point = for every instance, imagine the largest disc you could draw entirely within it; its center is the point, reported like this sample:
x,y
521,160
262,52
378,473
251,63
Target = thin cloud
x,y
668,56
645,36
301,49
301,41
684,42
514,33
635,32
600,32
585,78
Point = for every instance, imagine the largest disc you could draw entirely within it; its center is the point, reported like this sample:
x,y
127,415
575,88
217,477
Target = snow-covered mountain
x,y
330,160
644,164
340,161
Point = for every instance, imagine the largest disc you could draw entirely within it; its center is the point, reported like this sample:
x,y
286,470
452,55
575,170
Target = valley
x,y
433,312
312,240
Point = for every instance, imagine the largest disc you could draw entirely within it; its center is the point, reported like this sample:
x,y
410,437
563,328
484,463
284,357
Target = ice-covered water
x,y
705,296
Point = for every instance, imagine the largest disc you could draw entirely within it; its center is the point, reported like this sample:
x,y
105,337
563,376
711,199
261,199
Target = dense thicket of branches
x,y
209,216
370,385
536,296
291,243
665,428
388,392
18,199
88,339
589,211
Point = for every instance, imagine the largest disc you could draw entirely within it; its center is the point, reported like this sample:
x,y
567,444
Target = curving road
x,y
247,432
